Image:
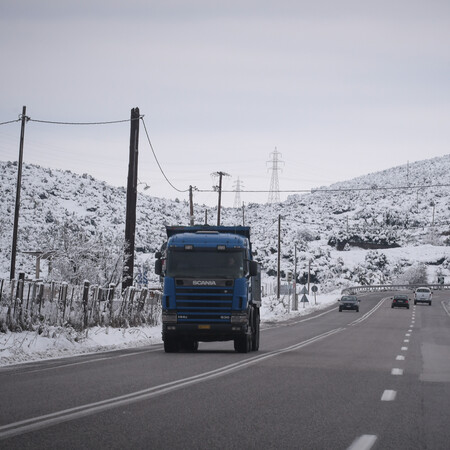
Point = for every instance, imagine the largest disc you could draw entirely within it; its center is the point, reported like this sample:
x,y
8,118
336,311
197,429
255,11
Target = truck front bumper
x,y
206,332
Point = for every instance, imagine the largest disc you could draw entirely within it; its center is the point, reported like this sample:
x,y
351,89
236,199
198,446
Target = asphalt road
x,y
376,379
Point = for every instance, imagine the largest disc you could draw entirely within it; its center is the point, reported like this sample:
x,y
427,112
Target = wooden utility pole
x,y
18,187
294,283
191,207
220,175
130,220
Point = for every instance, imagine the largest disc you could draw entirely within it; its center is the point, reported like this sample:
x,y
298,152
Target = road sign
x,y
304,299
314,288
304,290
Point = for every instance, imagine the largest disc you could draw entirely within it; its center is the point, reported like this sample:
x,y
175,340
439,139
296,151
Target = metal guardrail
x,y
392,287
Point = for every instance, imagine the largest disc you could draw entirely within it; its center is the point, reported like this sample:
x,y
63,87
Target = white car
x,y
423,295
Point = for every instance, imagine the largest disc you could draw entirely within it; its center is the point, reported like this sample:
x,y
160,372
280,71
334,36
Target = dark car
x,y
349,302
400,300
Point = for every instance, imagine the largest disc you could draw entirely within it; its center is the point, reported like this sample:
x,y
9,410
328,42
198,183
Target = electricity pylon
x,y
237,185
274,191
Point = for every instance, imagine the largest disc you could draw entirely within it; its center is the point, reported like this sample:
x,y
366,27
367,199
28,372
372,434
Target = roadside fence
x,y
24,305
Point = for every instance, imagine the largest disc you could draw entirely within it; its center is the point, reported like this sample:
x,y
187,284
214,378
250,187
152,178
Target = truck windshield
x,y
205,264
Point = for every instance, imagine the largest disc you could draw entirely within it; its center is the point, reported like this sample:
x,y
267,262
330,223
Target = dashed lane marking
x,y
364,442
388,396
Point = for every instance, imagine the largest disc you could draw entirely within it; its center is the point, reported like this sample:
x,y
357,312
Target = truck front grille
x,y
204,304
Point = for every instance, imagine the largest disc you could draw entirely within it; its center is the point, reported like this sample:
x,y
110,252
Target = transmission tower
x,y
237,185
274,191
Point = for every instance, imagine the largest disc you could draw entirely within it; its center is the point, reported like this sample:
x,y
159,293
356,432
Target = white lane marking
x,y
400,358
409,331
388,396
269,326
406,340
364,442
445,308
413,322
369,313
408,334
396,371
47,420
404,349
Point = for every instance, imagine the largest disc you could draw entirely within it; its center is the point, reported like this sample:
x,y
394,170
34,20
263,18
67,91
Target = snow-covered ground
x,y
59,342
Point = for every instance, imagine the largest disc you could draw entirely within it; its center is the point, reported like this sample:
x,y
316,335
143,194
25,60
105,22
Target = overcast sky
x,y
340,88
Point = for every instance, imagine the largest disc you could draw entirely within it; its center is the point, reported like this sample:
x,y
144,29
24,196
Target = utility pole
x,y
295,307
191,207
219,188
309,275
130,221
279,257
18,187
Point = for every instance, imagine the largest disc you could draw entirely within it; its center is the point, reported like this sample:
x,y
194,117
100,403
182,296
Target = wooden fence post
x,y
63,299
85,302
110,300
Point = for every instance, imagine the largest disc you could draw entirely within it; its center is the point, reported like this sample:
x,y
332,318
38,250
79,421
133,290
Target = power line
x,y
274,188
83,123
343,190
11,121
157,162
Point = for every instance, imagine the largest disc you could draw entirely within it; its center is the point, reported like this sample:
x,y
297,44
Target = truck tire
x,y
243,344
255,334
170,346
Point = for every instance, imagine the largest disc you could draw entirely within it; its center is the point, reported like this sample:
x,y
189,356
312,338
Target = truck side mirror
x,y
158,255
253,268
158,266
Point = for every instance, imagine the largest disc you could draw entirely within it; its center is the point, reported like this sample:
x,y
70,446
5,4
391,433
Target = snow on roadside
x,y
58,342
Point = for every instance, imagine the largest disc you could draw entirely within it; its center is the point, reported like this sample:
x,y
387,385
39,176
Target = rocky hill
x,y
351,232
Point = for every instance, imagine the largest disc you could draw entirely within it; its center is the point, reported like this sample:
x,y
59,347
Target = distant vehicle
x,y
423,295
400,300
349,302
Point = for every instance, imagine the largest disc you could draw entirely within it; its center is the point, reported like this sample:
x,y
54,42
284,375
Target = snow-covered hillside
x,y
349,233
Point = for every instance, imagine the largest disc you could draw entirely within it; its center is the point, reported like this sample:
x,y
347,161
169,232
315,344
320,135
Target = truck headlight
x,y
169,317
239,318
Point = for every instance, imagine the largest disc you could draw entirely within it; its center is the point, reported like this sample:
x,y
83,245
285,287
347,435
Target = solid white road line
x,y
396,371
47,420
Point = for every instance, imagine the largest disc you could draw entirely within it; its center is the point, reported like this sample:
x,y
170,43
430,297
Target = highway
x,y
376,379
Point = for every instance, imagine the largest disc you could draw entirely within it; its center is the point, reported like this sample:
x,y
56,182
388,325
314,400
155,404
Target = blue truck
x,y
211,287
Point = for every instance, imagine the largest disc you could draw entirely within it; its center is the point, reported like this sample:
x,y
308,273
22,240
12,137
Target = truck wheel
x,y
243,344
255,338
170,346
